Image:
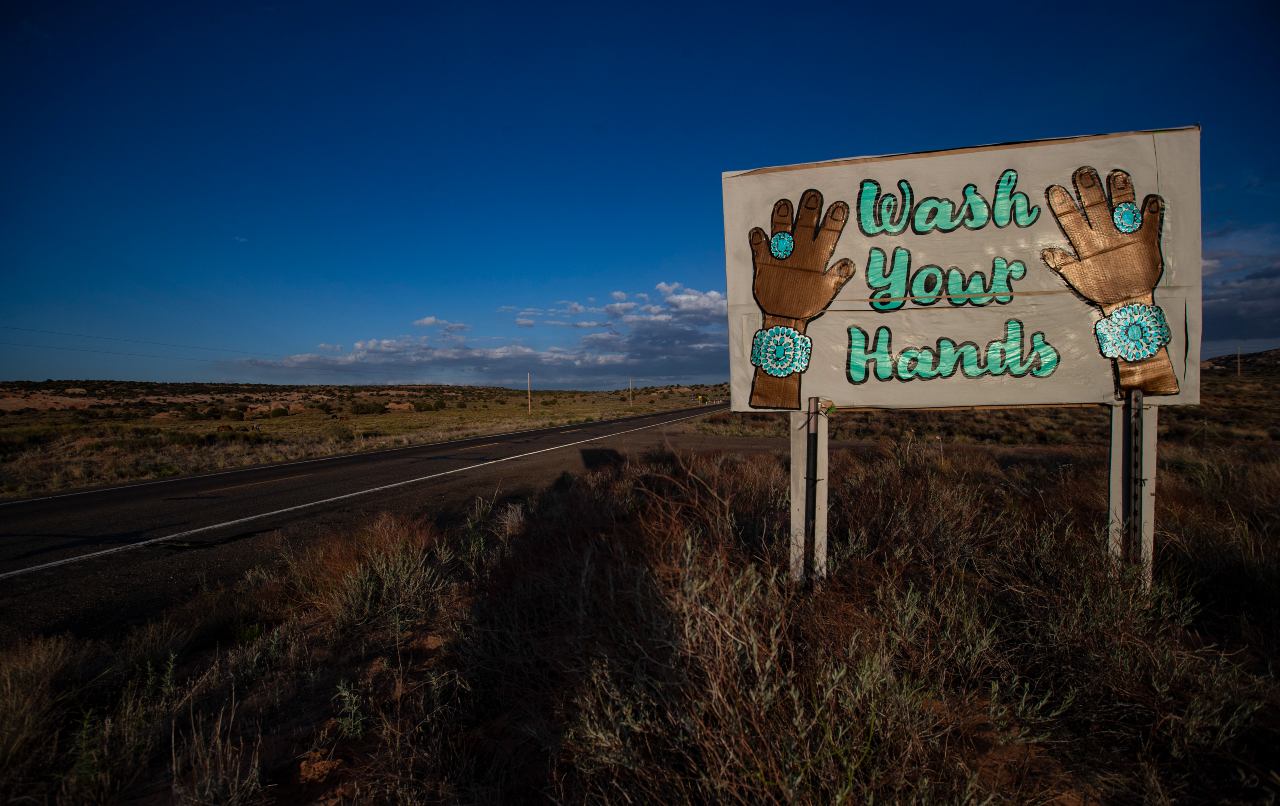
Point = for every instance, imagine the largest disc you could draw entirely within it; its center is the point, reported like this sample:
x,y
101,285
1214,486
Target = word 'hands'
x,y
791,276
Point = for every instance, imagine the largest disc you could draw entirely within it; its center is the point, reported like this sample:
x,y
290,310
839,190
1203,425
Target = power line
x,y
141,341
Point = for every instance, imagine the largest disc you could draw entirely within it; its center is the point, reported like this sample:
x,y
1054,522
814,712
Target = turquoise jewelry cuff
x,y
781,351
1132,332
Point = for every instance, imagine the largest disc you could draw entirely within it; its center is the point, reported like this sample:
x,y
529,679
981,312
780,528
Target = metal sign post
x,y
1133,488
808,494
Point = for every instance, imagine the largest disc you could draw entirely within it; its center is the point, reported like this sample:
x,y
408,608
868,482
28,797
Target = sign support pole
x,y
808,494
1133,489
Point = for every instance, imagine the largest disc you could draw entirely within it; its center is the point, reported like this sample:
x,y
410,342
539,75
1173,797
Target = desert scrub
x,y
635,641
393,577
629,635
997,596
181,704
147,431
213,764
745,718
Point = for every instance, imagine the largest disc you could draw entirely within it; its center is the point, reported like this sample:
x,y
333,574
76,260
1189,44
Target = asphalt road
x,y
88,561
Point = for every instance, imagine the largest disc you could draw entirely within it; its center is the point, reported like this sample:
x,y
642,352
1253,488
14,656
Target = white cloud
x,y
566,323
676,335
1241,284
445,325
688,301
650,317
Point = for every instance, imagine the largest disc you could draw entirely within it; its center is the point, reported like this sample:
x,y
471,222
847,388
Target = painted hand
x,y
791,277
1117,260
793,285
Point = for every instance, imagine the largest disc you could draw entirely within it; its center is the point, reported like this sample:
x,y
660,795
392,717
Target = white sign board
x,y
1049,272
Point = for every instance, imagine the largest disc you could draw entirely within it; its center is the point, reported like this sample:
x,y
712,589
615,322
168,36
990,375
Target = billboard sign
x,y
1049,272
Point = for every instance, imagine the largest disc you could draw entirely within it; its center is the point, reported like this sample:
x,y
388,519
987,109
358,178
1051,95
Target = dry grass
x,y
627,636
213,765
110,432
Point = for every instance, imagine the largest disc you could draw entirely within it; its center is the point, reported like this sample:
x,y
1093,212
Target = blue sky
x,y
466,192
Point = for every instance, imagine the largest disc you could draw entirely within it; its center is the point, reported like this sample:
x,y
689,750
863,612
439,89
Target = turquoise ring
x,y
781,245
1127,216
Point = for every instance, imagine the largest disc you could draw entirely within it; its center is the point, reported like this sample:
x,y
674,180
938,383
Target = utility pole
x,y
631,398
530,392
1237,361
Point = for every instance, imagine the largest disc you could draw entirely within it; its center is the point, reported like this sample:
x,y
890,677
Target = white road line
x,y
237,521
309,461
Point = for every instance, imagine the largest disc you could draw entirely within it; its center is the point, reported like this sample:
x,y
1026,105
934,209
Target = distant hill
x,y
1265,361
